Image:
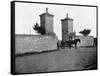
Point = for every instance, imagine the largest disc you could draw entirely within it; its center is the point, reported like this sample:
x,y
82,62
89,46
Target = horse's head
x,y
79,40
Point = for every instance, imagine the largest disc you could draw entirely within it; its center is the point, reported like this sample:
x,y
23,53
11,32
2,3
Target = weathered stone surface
x,y
85,40
67,28
34,43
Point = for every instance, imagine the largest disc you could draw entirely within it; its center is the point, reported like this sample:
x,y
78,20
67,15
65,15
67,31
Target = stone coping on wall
x,y
51,35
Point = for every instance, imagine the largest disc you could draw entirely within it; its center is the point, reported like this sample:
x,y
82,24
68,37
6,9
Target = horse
x,y
73,42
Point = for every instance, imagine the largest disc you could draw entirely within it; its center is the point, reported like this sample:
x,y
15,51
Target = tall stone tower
x,y
67,28
46,21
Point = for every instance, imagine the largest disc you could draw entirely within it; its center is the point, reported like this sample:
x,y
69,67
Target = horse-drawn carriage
x,y
69,43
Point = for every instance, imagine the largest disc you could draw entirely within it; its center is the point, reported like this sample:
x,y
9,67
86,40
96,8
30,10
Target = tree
x,y
85,32
39,29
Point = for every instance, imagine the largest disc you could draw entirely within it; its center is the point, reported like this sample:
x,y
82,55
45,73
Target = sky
x,y
27,14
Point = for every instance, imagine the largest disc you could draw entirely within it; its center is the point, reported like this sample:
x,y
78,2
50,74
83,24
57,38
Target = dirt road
x,y
60,60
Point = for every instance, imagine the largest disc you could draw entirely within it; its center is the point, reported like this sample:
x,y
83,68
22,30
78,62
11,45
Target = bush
x,y
85,32
39,29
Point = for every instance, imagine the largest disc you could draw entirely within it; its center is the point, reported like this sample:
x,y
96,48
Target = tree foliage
x,y
39,29
85,32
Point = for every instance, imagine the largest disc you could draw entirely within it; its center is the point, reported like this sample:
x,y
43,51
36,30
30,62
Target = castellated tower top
x,y
46,13
46,10
67,18
67,15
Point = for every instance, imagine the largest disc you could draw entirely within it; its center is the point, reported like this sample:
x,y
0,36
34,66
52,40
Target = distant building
x,y
46,21
67,28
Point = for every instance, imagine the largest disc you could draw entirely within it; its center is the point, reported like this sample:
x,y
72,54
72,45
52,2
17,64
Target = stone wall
x,y
34,43
85,40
